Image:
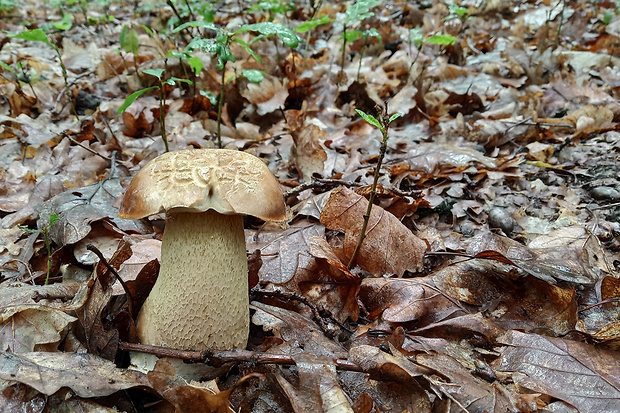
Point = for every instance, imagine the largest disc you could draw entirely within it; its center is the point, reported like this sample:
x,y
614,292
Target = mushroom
x,y
200,299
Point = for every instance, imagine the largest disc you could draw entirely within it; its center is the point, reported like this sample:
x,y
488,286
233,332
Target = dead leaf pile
x,y
487,278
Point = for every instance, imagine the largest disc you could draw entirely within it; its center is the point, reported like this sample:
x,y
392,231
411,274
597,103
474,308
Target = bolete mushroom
x,y
200,299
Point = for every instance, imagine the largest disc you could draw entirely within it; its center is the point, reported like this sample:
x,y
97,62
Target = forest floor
x,y
487,280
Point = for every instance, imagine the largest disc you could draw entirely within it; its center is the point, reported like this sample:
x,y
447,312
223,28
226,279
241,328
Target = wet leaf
x,y
578,373
389,247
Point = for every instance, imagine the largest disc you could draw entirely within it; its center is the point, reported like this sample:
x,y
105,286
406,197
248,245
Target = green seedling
x,y
24,75
61,25
162,98
382,122
38,35
307,27
356,12
48,245
131,44
416,37
365,35
188,10
70,7
8,5
220,46
273,7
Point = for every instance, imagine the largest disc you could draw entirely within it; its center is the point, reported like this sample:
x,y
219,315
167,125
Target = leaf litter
x,y
488,277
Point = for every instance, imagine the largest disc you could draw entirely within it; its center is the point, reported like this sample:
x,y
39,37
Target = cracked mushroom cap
x,y
196,180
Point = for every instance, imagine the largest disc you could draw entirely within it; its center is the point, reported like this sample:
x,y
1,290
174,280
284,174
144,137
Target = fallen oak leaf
x,y
87,375
389,246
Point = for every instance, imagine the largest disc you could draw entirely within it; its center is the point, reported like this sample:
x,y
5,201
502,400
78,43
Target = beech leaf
x,y
389,246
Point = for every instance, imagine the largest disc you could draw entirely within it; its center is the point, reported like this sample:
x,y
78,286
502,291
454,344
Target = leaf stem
x,y
162,116
220,103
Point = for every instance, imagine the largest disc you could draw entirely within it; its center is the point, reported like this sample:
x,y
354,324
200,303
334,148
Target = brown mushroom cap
x,y
196,180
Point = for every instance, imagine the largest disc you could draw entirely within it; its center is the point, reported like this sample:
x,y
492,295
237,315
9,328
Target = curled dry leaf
x,y
405,300
389,246
328,282
318,388
268,95
284,253
309,156
193,396
526,303
384,366
300,334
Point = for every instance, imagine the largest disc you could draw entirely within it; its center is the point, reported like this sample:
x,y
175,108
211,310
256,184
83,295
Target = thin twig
x,y
94,152
218,358
105,262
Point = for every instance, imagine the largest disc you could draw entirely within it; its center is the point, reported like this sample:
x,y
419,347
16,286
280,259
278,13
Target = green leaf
x,y
285,34
608,16
249,50
173,80
28,229
369,118
35,35
462,12
253,75
416,36
206,45
129,40
177,54
224,55
352,35
5,66
154,72
148,30
372,33
200,23
209,96
132,98
360,10
309,25
54,218
394,117
441,39
64,24
195,64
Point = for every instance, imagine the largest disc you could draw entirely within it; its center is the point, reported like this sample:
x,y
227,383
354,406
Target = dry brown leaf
x,y
389,246
580,374
189,397
300,334
87,375
318,388
268,95
469,391
284,253
405,300
30,328
525,303
92,329
385,366
307,152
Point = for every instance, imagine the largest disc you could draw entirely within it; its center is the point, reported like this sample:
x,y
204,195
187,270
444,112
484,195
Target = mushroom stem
x,y
200,299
